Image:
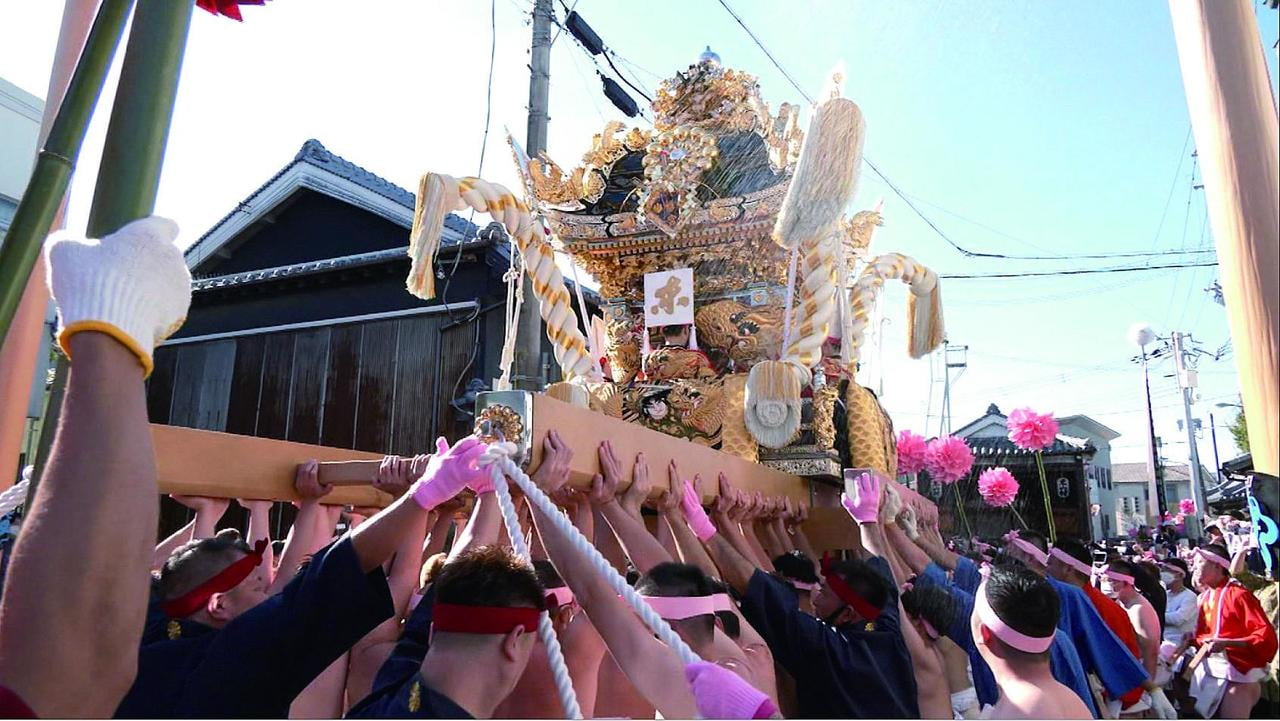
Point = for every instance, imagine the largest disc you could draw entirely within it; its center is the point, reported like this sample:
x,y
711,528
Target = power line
x,y
768,54
608,59
907,199
560,28
1078,271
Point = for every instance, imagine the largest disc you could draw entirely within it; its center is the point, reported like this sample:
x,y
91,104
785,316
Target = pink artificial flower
x,y
948,459
1187,507
911,451
1030,430
998,487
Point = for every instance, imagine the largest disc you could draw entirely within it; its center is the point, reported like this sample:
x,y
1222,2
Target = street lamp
x,y
1141,335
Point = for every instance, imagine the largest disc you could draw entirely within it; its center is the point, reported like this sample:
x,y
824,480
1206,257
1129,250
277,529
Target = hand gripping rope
x,y
498,459
559,672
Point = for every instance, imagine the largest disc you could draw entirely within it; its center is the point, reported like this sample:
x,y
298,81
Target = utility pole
x,y
1156,488
528,357
959,362
1217,464
1187,382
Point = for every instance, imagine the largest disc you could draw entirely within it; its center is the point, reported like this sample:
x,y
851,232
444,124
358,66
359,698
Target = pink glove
x,y
694,515
864,506
448,472
723,694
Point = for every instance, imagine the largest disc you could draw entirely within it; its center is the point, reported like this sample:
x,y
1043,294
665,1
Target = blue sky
x,y
1017,127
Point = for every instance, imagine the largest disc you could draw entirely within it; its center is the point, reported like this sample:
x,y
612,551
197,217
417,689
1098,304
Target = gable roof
x,y
1098,429
1137,472
993,418
316,168
1001,446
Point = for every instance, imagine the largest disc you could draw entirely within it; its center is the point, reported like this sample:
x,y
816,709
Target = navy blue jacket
x,y
854,671
259,662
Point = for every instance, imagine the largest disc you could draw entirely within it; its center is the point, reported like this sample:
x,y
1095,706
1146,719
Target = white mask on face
x,y
1167,579
1107,587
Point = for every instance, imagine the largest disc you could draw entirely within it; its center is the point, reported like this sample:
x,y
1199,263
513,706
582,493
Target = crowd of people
x,y
463,600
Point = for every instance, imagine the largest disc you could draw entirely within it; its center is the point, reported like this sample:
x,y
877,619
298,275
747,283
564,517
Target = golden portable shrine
x,y
737,292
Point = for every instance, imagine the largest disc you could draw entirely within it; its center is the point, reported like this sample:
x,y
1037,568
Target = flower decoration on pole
x,y
227,8
999,488
1187,507
911,450
948,459
1035,432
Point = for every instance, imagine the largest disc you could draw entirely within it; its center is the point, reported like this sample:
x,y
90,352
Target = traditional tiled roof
x,y
998,446
263,275
1137,472
315,154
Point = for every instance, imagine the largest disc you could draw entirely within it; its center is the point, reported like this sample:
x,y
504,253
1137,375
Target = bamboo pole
x,y
1233,116
20,347
52,174
129,174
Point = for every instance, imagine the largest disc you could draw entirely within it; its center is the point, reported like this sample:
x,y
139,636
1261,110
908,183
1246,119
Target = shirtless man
x,y
1118,583
1014,620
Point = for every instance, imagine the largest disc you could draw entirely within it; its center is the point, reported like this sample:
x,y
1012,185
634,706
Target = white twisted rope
x,y
15,495
498,458
559,671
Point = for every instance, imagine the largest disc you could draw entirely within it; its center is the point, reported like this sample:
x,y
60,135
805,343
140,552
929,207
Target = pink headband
x,y
678,608
1117,576
1173,569
722,602
1075,563
987,617
1027,547
561,596
1212,558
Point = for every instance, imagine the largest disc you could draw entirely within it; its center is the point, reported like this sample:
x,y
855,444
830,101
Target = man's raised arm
x,y
90,533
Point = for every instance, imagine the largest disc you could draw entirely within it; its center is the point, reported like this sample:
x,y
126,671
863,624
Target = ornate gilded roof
x,y
702,188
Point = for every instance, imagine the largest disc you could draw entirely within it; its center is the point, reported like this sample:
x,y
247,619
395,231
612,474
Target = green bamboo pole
x,y
129,174
52,174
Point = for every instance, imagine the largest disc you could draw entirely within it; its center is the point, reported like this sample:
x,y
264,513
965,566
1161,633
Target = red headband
x,y
225,580
847,594
454,618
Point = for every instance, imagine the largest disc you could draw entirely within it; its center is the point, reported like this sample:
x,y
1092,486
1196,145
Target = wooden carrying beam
x,y
223,465
584,430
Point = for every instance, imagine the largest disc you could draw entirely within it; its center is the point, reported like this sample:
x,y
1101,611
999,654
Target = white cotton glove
x,y
1160,704
132,285
908,523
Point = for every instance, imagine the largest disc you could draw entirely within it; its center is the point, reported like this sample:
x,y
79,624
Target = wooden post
x,y
20,347
1233,116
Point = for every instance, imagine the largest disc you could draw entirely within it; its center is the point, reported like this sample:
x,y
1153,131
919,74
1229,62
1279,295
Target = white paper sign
x,y
668,298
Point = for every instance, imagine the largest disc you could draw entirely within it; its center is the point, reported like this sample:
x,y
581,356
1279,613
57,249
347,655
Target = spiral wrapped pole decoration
x,y
437,195
926,323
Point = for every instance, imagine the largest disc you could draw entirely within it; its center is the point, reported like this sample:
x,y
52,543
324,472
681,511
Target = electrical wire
x,y
768,54
1076,271
560,28
608,59
908,200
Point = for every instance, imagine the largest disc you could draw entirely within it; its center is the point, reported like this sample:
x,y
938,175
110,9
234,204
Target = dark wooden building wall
x,y
382,386
1070,511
